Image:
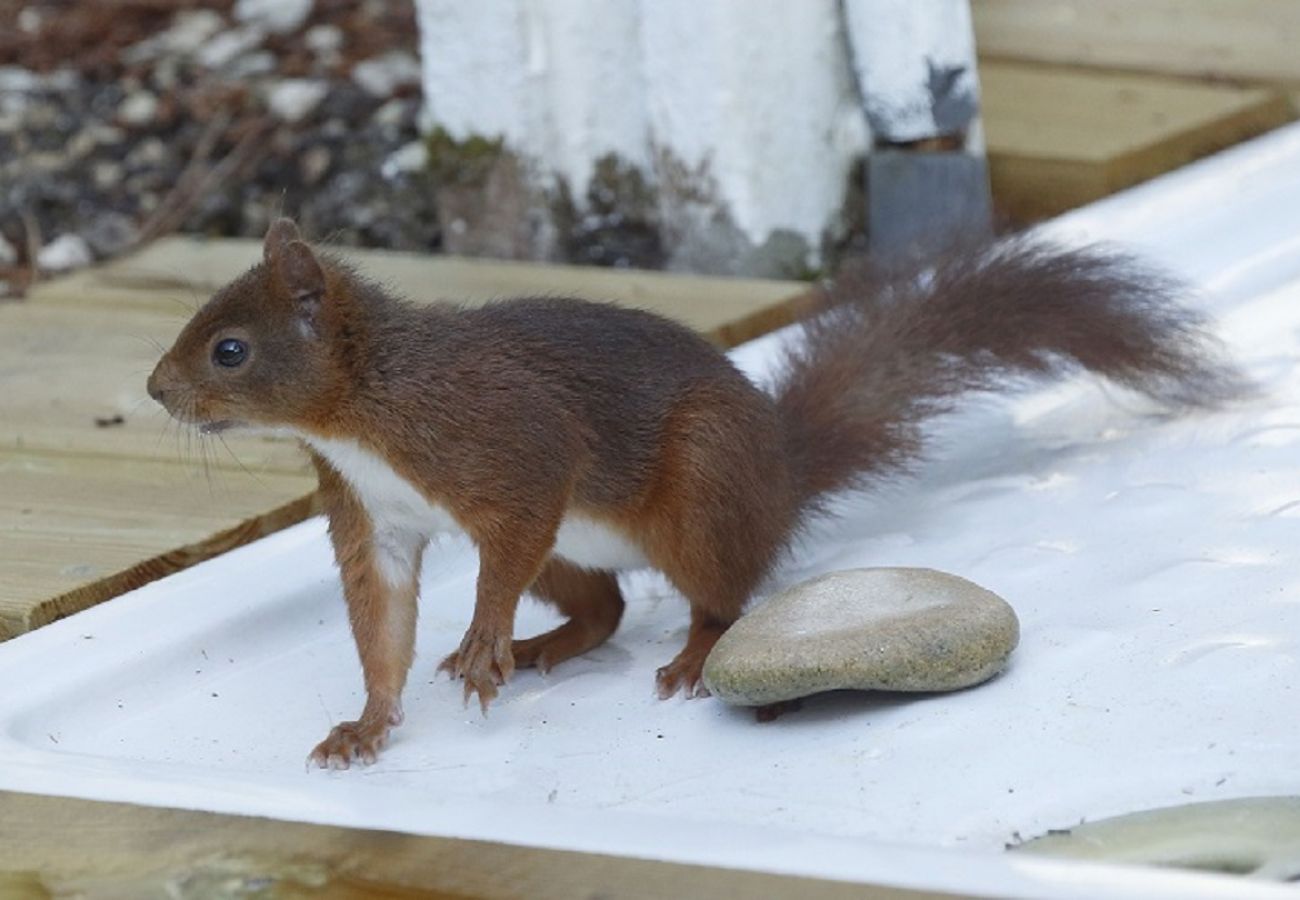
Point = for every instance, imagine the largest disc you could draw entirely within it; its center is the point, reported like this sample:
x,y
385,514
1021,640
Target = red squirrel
x,y
571,440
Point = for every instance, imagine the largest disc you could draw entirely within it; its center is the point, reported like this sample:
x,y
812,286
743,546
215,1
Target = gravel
x,y
123,122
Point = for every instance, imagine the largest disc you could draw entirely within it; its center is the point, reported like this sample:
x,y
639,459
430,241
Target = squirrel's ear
x,y
282,232
299,275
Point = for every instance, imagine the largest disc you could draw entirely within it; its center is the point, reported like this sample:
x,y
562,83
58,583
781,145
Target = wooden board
x,y
1059,138
100,493
173,276
80,528
71,372
52,846
1250,40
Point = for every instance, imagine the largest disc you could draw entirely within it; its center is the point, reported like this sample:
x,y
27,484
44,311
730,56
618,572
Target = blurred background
x,y
124,120
728,137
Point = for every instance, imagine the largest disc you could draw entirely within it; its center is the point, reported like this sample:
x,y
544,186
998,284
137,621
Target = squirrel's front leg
x,y
511,554
381,584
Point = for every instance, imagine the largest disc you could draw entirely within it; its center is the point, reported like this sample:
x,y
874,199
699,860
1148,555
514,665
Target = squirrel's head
x,y
257,352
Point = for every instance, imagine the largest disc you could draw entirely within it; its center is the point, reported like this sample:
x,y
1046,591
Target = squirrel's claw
x,y
350,742
484,661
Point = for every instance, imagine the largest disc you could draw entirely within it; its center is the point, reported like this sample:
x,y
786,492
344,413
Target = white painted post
x,y
476,63
756,128
916,63
477,60
712,135
589,61
927,182
559,86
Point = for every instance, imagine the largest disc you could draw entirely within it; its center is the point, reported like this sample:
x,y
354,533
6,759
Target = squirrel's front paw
x,y
484,660
350,742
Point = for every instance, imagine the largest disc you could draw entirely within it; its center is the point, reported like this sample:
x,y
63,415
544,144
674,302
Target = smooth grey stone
x,y
890,629
1257,836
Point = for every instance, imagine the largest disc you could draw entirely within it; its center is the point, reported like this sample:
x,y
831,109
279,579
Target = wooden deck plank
x,y
1249,40
1058,138
73,372
178,273
99,493
53,846
75,530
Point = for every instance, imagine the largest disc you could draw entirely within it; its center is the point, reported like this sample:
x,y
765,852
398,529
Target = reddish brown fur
x,y
386,652
893,351
593,604
511,415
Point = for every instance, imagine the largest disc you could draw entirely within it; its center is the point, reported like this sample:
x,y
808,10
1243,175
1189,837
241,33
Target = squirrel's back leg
x,y
683,672
718,515
591,600
717,564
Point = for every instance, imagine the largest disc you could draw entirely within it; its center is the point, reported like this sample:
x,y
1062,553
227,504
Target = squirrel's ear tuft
x,y
299,275
282,232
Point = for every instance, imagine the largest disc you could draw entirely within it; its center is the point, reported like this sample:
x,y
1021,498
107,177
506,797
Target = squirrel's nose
x,y
157,384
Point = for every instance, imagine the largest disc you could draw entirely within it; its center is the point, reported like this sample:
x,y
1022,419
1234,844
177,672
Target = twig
x,y
197,182
32,243
156,224
14,292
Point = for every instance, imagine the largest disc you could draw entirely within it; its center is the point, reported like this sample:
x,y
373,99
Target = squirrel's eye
x,y
229,353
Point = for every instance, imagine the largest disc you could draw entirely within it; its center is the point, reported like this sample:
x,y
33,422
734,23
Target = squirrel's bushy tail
x,y
883,357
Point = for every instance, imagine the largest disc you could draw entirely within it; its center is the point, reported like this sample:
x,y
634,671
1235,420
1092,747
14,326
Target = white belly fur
x,y
592,545
404,519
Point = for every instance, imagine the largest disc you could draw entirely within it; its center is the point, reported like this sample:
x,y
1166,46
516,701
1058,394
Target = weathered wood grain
x,y
177,273
53,846
1059,138
1250,40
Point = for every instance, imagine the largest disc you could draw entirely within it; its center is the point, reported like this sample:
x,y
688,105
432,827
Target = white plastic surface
x,y
1154,562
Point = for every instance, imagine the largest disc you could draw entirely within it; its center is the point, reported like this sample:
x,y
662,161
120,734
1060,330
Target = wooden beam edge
x,y
146,571
69,846
764,320
1143,163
